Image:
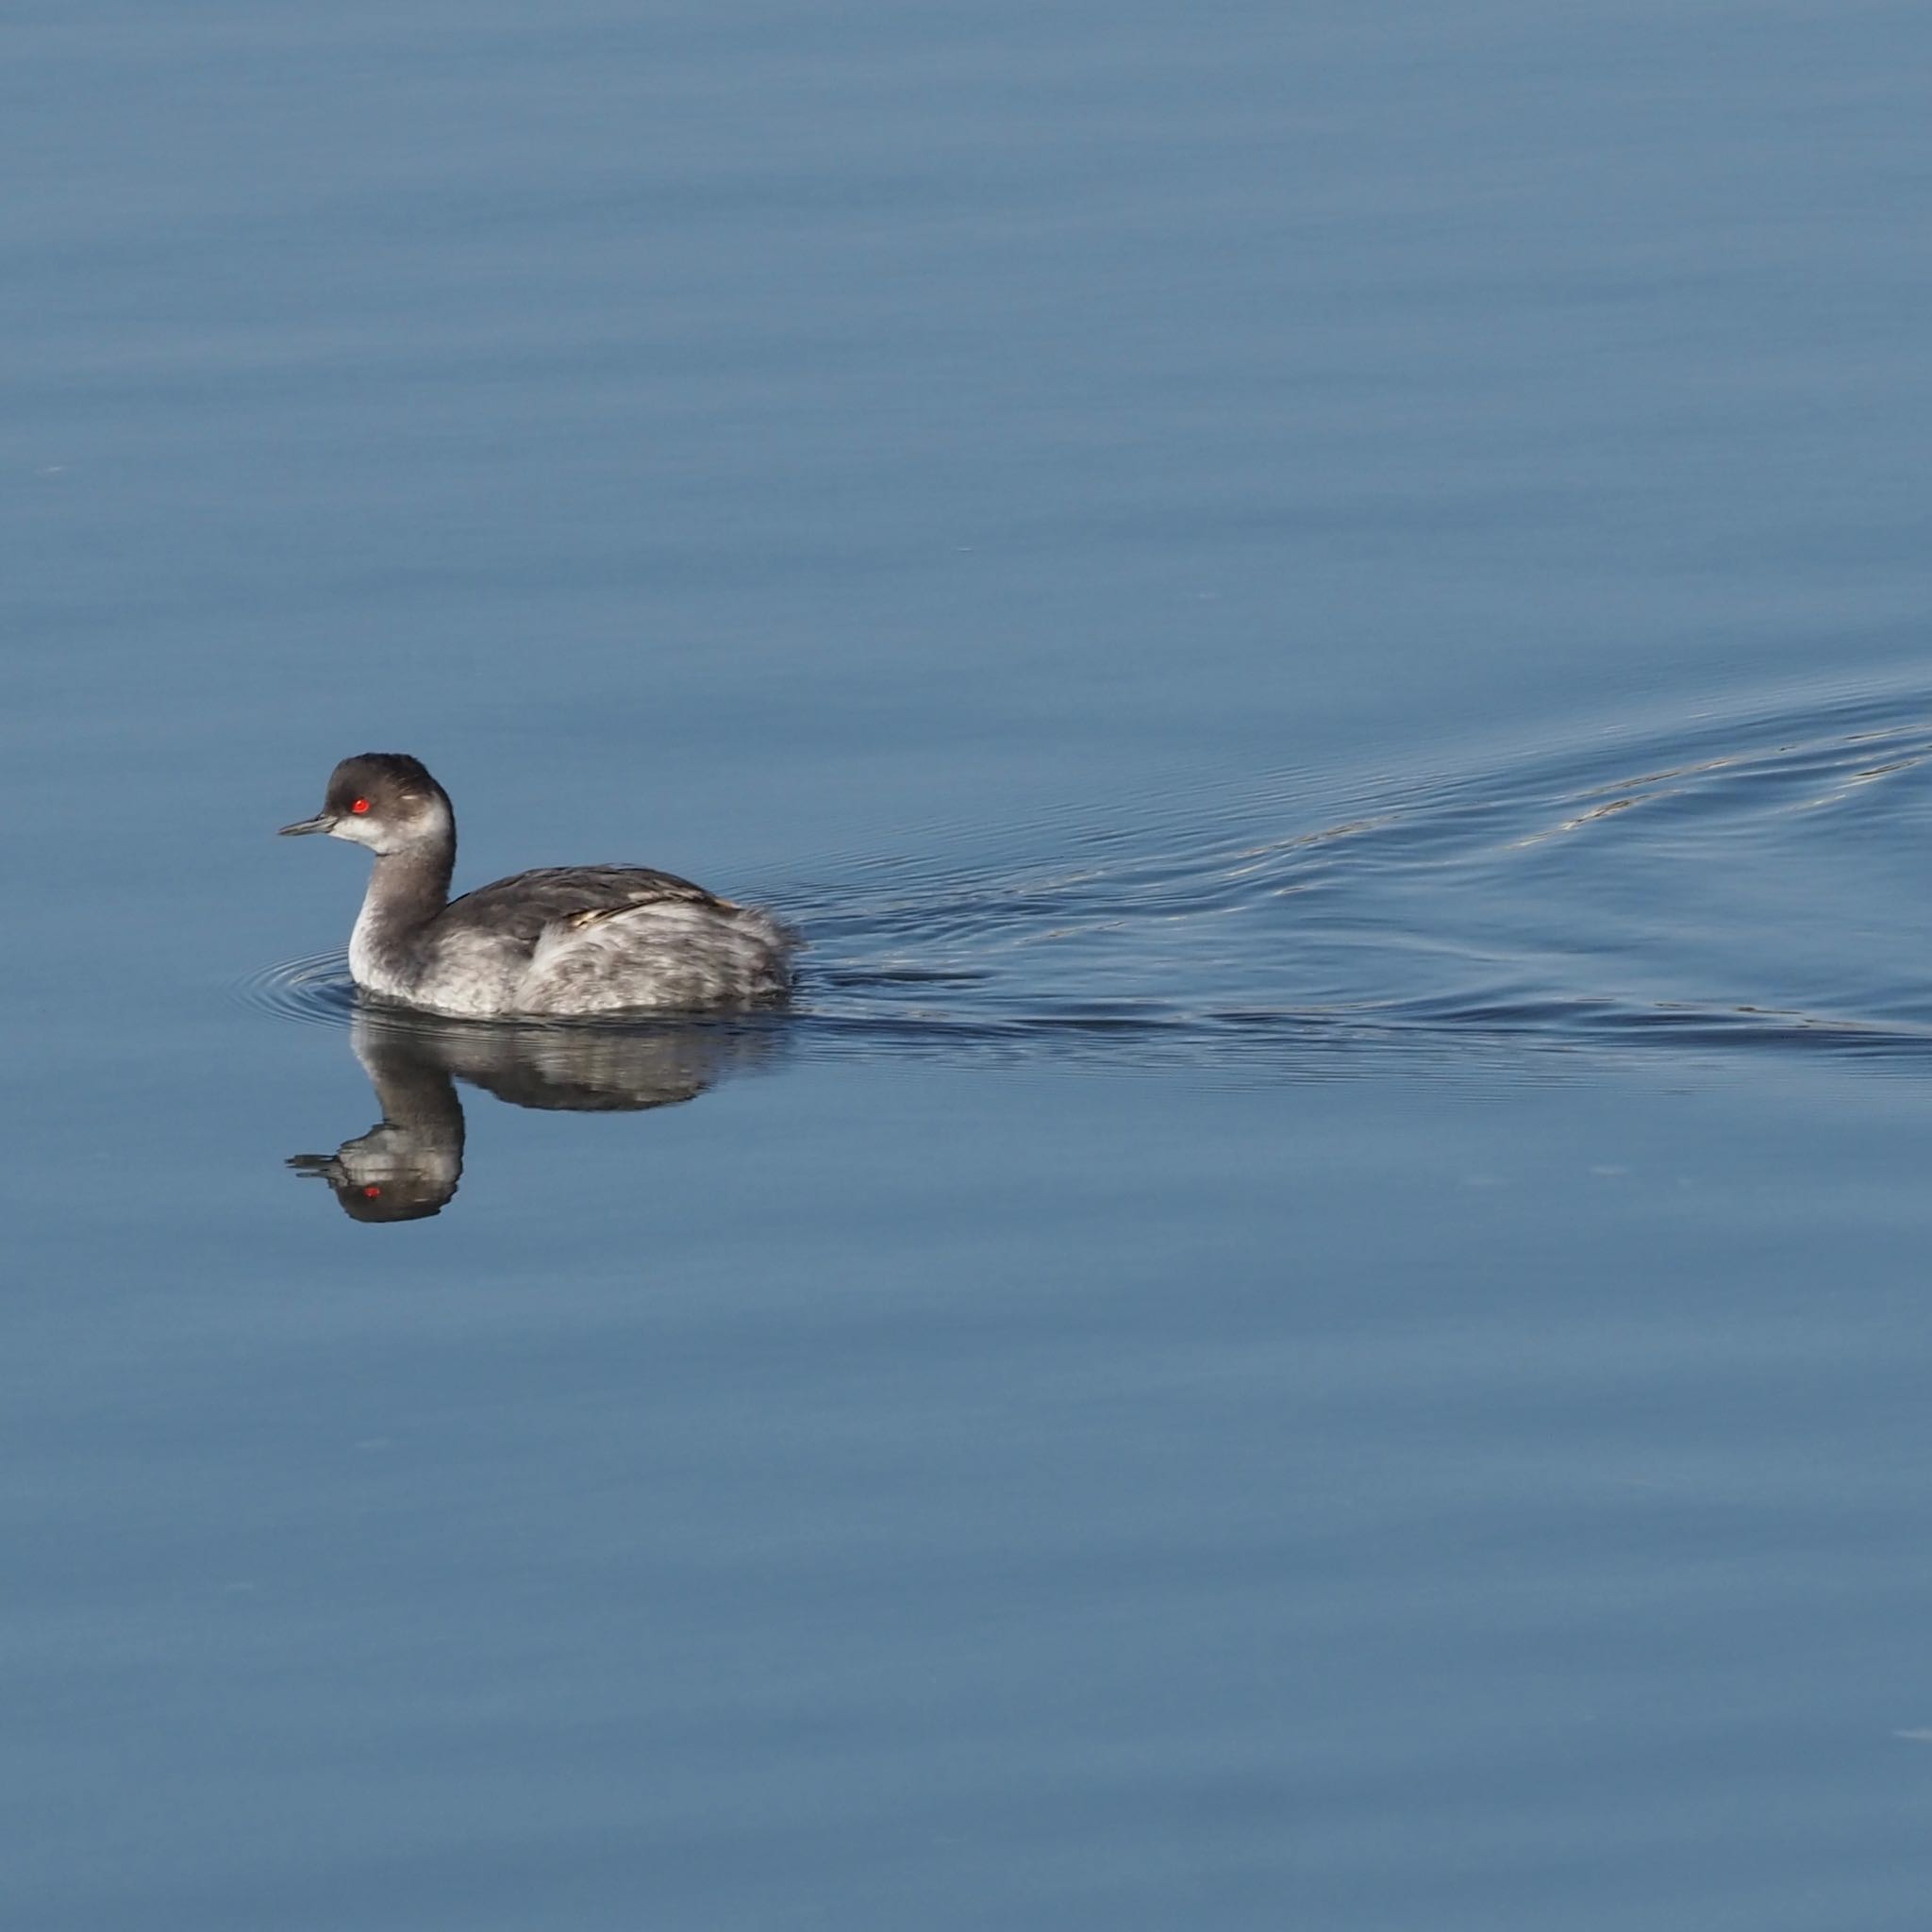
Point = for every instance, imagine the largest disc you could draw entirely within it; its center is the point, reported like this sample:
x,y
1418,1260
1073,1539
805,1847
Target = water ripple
x,y
317,990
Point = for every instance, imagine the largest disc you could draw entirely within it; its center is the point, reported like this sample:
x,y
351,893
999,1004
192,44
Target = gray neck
x,y
408,888
407,891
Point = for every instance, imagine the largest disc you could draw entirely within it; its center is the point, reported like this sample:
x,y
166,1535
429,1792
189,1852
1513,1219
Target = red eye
x,y
372,1194
361,804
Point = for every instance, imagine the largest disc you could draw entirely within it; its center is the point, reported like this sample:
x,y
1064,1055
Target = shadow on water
x,y
1750,883
408,1164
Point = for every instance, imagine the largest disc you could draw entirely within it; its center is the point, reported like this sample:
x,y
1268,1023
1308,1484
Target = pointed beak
x,y
322,821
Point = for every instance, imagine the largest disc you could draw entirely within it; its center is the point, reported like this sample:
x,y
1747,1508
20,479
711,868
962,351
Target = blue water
x,y
1316,1318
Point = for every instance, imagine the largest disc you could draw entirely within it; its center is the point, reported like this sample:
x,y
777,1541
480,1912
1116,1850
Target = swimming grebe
x,y
567,940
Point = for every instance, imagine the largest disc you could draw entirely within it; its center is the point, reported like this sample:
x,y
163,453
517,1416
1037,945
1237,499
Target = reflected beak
x,y
322,821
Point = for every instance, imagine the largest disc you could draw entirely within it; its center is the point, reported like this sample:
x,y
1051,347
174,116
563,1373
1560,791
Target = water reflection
x,y
408,1164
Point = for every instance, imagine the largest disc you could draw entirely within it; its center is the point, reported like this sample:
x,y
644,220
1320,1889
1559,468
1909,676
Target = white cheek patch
x,y
408,825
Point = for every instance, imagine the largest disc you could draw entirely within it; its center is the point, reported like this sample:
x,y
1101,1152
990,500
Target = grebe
x,y
566,939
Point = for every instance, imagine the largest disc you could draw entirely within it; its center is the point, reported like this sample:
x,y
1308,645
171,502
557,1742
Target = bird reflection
x,y
408,1165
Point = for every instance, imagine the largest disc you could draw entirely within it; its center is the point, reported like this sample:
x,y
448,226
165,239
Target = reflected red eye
x,y
361,804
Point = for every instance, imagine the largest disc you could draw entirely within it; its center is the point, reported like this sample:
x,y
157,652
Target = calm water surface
x,y
1317,1318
